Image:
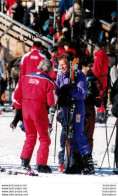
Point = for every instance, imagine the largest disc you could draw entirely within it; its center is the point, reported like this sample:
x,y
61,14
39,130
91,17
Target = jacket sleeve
x,y
23,66
51,94
98,66
79,92
17,97
61,7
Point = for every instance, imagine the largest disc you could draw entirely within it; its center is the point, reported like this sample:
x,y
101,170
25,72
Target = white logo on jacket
x,y
33,81
33,57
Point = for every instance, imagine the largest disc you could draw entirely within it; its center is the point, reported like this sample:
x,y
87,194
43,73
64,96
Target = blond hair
x,y
19,50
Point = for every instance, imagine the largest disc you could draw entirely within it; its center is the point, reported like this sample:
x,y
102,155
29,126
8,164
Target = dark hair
x,y
85,60
53,49
38,44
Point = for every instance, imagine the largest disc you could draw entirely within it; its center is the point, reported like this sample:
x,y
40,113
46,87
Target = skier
x,y
30,60
92,98
35,93
79,142
64,5
28,64
100,70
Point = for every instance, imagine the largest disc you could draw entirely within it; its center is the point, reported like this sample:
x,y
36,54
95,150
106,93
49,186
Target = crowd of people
x,y
43,79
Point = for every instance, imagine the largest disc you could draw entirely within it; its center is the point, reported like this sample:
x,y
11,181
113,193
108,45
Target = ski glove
x,y
64,95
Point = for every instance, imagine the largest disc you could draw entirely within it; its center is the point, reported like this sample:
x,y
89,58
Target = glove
x,y
64,95
63,101
17,117
97,102
65,90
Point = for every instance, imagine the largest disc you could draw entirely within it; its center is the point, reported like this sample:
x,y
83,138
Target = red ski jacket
x,y
9,4
100,67
36,88
31,60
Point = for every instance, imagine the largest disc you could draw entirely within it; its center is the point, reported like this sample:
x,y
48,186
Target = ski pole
x,y
55,137
107,142
115,164
108,145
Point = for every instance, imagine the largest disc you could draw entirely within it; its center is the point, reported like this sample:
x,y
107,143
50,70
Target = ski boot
x,y
60,168
25,164
43,169
101,117
88,167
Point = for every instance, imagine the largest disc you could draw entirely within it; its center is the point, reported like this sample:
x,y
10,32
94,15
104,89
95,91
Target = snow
x,y
11,143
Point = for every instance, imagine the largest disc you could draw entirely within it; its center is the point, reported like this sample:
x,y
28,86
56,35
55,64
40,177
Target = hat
x,y
67,43
113,14
53,49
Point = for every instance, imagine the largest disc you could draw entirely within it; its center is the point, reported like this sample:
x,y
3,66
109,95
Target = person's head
x,y
113,15
19,49
98,46
45,65
64,62
86,64
53,51
37,44
67,45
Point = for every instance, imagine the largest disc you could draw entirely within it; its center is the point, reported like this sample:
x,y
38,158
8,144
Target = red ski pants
x,y
89,124
36,124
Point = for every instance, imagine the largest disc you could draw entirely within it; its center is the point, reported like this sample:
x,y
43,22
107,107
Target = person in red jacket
x,y
31,60
9,4
100,70
69,49
34,94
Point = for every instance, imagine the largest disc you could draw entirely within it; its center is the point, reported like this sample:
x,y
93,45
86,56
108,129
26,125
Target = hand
x,y
65,90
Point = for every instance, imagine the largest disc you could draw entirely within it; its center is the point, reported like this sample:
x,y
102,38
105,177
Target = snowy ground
x,y
11,143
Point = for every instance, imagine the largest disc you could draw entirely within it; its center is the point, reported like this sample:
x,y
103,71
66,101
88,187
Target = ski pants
x,y
62,146
79,142
102,93
36,123
89,124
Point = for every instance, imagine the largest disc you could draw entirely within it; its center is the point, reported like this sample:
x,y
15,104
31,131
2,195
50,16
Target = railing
x,y
12,30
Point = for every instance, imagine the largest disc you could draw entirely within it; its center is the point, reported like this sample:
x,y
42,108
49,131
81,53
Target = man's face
x,y
64,65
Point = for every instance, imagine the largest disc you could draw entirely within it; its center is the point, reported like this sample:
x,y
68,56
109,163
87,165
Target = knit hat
x,y
53,49
113,14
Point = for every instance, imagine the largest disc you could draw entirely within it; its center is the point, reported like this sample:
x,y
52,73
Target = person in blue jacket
x,y
64,5
78,143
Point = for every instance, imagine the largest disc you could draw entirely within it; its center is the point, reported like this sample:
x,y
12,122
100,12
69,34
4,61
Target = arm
x,y
51,94
79,92
17,97
23,66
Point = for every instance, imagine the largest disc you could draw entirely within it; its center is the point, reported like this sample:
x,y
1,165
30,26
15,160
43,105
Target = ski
x,y
71,107
17,172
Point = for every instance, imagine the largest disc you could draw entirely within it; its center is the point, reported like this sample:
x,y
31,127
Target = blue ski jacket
x,y
79,142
